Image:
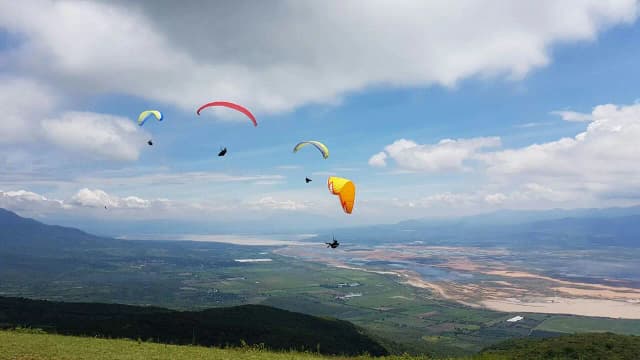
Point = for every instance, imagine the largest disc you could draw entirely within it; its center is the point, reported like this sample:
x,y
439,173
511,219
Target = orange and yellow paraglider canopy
x,y
346,191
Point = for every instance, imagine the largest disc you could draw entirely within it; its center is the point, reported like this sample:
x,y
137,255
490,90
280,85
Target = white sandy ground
x,y
585,307
622,309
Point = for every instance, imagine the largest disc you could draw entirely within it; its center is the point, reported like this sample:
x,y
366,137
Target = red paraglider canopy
x,y
231,105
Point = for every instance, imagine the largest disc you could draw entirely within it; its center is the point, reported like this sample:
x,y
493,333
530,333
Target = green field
x,y
393,312
575,324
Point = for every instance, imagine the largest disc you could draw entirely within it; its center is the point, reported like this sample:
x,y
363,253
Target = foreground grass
x,y
20,345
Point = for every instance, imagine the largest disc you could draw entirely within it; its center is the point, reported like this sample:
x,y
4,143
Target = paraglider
x,y
230,105
334,244
223,152
307,180
346,191
320,146
142,118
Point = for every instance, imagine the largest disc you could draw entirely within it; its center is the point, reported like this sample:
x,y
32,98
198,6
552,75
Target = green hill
x,y
254,324
590,346
18,345
33,345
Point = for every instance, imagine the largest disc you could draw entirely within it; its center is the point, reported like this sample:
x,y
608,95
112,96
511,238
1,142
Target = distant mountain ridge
x,y
20,235
580,228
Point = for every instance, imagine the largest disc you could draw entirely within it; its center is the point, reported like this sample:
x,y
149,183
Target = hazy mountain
x,y
288,222
579,228
23,235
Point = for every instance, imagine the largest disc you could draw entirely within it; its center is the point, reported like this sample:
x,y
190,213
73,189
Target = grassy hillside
x,y
34,346
591,346
253,324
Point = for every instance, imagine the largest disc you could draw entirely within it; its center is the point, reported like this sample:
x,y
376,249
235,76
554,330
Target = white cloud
x,y
92,198
96,198
99,198
607,151
529,195
378,160
597,167
106,136
23,103
439,201
446,155
449,199
26,102
495,199
290,53
269,202
21,200
573,116
594,165
195,179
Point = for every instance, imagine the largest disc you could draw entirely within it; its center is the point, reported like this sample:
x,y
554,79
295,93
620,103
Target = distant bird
x,y
150,143
333,244
105,206
223,152
307,180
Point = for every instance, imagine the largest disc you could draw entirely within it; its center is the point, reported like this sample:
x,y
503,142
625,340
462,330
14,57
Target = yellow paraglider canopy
x,y
346,191
142,118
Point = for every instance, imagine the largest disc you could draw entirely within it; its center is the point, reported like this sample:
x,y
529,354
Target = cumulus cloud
x,y
596,165
573,116
600,160
607,151
446,155
30,202
99,198
107,136
290,53
26,102
379,159
19,110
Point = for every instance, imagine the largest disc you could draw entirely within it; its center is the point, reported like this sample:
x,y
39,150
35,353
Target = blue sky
x,y
471,113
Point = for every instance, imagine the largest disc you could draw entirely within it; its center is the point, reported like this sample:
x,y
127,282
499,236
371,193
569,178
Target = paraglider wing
x,y
142,118
346,191
320,146
230,105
